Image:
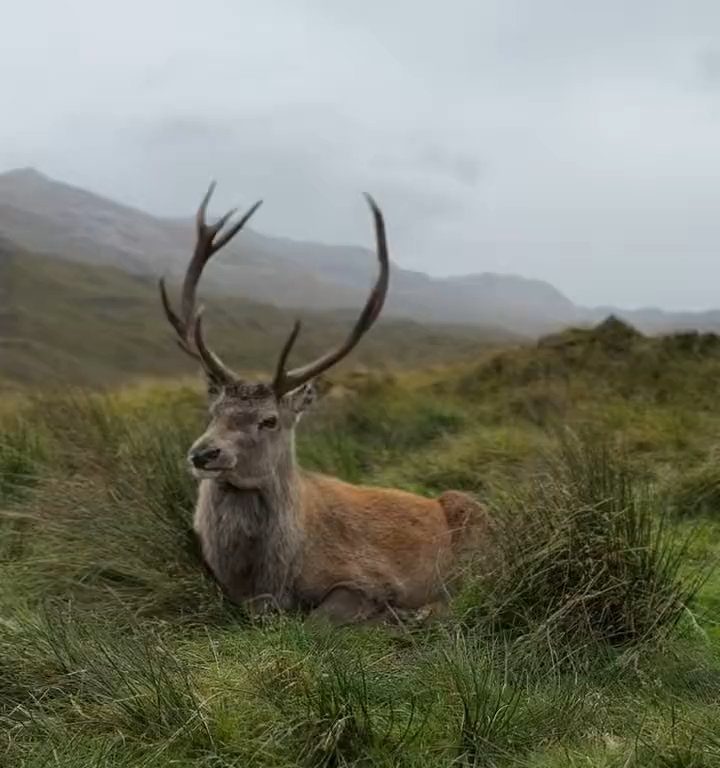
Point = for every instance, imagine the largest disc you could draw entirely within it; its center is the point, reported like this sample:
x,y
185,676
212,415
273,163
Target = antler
x,y
285,381
188,324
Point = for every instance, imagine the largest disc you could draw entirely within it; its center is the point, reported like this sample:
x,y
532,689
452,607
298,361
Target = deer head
x,y
250,434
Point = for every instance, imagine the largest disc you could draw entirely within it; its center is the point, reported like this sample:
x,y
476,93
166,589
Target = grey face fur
x,y
250,435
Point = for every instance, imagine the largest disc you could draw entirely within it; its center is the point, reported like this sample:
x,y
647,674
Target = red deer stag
x,y
270,531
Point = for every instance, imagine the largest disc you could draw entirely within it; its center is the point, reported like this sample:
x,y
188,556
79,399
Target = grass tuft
x,y
21,458
587,556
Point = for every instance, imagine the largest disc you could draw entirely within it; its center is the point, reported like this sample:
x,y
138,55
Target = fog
x,y
569,140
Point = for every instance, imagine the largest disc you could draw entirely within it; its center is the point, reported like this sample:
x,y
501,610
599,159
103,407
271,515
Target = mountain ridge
x,y
41,214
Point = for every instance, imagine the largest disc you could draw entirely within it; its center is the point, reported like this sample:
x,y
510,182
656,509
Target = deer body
x,y
294,543
273,533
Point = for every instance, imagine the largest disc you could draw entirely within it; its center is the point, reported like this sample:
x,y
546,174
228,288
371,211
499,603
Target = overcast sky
x,y
572,140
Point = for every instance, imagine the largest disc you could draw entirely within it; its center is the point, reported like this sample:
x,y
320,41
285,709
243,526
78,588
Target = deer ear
x,y
302,398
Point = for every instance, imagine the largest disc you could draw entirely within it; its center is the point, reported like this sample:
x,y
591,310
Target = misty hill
x,y
50,217
67,322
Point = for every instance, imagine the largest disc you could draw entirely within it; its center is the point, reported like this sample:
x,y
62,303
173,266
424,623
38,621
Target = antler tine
x,y
226,237
175,321
285,381
214,367
201,213
280,373
187,324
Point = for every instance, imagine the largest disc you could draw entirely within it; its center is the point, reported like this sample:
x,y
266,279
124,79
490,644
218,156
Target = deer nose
x,y
202,457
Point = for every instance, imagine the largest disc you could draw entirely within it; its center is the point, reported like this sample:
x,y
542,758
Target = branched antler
x,y
284,380
188,324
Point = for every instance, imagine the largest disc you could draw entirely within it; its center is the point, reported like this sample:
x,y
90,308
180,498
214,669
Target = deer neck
x,y
251,538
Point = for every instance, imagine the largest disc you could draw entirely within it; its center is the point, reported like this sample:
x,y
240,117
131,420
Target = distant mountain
x,y
42,215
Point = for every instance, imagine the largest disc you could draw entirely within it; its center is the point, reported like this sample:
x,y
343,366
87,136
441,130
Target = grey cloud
x,y
573,141
463,168
283,161
709,66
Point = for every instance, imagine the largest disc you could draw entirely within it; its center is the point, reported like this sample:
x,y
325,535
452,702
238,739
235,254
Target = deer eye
x,y
270,422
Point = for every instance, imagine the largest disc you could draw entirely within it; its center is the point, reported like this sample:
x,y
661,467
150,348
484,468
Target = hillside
x,y
41,214
75,323
591,639
47,216
612,361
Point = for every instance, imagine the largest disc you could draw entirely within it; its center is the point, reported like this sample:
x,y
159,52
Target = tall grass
x,y
116,650
359,436
111,522
21,457
697,491
587,556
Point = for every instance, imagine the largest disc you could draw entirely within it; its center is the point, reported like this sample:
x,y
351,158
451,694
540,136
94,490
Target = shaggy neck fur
x,y
251,539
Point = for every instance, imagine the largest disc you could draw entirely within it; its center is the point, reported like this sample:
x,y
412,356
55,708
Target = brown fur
x,y
395,546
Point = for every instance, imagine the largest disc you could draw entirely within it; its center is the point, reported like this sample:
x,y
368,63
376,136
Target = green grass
x,y
593,640
589,556
21,453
